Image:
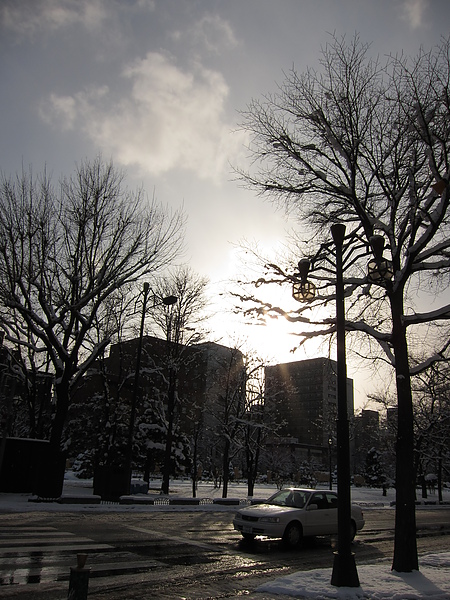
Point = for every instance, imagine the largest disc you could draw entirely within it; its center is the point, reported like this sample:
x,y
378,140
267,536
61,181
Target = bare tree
x,y
432,423
107,430
368,144
227,407
259,421
181,324
64,253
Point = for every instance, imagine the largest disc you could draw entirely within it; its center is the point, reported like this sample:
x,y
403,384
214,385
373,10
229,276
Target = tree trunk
x,y
169,439
405,544
439,476
424,486
194,469
147,466
250,474
252,468
62,406
167,458
226,468
194,486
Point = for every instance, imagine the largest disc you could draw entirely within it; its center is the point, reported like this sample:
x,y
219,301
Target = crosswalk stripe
x,y
44,554
51,549
20,528
30,541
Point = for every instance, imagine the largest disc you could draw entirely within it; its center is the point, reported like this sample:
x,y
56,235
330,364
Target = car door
x,y
331,517
318,517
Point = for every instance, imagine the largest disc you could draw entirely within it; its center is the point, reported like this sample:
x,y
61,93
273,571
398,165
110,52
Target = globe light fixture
x,y
303,290
379,269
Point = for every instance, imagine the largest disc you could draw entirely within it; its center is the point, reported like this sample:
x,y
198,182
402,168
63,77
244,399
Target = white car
x,y
294,513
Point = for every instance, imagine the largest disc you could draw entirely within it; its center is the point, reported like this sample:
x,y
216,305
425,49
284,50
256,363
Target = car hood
x,y
261,510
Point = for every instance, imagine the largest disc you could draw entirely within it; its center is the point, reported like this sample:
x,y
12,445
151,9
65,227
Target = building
x,y
305,393
202,373
366,433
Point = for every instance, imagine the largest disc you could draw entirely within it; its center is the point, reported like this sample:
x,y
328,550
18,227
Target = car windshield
x,y
295,498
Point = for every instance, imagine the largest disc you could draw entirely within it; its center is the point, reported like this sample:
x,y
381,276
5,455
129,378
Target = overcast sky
x,y
157,86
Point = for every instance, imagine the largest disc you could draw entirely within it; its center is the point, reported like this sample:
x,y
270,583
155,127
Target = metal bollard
x,y
79,579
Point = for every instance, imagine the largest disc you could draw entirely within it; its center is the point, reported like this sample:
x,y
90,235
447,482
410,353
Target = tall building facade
x,y
305,393
204,374
366,436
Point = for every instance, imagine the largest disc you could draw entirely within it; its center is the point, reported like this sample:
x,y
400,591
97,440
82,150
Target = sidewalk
x,y
78,495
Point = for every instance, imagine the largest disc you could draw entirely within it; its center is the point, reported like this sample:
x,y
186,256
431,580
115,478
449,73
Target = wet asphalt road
x,y
174,555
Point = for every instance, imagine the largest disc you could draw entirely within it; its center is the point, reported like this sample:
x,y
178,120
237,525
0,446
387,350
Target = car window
x,y
299,499
279,498
332,500
294,498
320,500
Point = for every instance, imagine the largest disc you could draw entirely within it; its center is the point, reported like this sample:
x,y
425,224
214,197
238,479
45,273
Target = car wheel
x,y
352,530
293,535
248,537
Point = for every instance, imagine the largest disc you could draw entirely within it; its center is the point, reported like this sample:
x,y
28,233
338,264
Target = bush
x,y
83,465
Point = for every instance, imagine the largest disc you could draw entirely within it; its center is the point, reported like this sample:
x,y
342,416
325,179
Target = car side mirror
x,y
312,507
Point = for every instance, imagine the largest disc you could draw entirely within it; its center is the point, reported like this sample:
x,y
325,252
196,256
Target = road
x,y
174,555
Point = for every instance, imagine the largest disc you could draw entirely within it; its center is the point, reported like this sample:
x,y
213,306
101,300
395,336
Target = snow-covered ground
x,y
80,488
377,581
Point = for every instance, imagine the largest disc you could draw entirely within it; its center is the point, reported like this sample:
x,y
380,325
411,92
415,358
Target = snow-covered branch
x,y
440,314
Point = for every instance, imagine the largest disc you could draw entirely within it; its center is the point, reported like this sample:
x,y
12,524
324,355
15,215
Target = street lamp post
x,y
168,301
330,442
344,566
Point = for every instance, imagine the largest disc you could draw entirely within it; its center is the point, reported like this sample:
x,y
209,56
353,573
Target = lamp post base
x,y
344,571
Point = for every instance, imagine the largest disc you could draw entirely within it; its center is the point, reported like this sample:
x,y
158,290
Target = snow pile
x,y
377,582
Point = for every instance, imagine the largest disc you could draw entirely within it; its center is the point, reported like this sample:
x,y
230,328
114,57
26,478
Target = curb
x,y
146,500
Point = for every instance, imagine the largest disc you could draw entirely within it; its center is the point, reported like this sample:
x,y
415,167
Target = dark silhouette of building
x,y
366,437
305,393
201,372
391,419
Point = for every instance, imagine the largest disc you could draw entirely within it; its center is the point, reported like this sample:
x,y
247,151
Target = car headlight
x,y
238,516
269,520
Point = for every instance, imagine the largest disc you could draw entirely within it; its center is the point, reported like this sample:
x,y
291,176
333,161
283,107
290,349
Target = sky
x,y
157,86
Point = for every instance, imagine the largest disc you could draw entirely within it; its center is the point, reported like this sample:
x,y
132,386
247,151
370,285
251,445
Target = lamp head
x,y
379,269
377,243
303,290
169,300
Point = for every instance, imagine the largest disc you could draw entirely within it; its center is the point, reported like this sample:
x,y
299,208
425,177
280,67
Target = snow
x,y
377,580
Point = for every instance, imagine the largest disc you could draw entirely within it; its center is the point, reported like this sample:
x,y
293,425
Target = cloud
x,y
211,32
30,17
413,12
149,5
64,106
164,118
64,112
